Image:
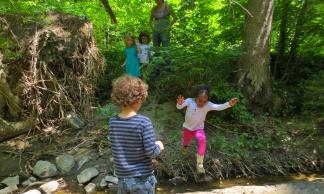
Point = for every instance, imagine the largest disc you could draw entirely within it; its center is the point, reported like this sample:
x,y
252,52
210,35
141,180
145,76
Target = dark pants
x,y
137,185
164,39
161,38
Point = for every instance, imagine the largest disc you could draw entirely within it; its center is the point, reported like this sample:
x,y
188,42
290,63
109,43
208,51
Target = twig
x,y
70,150
247,11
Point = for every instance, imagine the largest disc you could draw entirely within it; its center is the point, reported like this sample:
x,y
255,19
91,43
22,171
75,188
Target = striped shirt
x,y
133,145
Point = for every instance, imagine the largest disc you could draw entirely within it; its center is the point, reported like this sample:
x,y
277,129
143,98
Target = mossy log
x,y
13,129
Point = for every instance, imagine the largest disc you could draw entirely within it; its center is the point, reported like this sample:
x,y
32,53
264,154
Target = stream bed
x,y
295,184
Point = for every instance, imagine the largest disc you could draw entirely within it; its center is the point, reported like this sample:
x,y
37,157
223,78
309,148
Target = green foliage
x,y
313,94
218,142
107,111
223,92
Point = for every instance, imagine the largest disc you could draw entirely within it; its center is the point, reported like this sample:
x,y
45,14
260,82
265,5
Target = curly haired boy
x,y
132,136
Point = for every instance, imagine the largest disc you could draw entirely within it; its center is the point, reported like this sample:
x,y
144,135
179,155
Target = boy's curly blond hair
x,y
127,90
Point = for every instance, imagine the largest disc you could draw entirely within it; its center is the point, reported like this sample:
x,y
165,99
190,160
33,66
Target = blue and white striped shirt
x,y
133,145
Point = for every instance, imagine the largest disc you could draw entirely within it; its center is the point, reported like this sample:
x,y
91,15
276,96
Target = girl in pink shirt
x,y
196,112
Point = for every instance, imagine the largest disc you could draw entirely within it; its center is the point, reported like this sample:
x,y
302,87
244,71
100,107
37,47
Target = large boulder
x,y
50,187
87,174
44,169
11,181
65,162
90,188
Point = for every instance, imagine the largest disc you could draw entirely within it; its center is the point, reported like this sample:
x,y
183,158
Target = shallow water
x,y
165,187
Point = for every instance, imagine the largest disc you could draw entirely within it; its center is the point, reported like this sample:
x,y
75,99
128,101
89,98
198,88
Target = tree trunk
x,y
7,98
254,70
282,36
11,130
109,11
2,74
296,39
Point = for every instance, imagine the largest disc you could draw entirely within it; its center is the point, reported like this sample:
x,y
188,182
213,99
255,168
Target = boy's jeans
x,y
137,185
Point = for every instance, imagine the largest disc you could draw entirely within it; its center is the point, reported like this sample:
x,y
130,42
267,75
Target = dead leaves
x,y
18,144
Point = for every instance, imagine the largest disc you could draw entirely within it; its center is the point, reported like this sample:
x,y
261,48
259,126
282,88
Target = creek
x,y
299,183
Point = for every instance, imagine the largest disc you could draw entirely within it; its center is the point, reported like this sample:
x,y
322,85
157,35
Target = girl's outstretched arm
x,y
220,107
181,102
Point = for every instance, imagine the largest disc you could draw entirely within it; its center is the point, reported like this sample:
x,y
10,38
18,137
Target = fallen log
x,y
10,130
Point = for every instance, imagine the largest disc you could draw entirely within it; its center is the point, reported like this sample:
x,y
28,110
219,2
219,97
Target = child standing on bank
x,y
144,56
132,137
197,109
131,51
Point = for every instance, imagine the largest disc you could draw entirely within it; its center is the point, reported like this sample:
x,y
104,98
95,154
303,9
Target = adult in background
x,y
161,24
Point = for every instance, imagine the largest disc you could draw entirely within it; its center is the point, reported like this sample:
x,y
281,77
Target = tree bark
x,y
254,69
282,36
109,11
11,130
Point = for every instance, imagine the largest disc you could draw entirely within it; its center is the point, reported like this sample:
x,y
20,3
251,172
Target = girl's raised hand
x,y
180,99
233,101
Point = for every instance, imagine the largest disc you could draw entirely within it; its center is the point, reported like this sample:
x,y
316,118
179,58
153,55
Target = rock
x,y
177,180
11,181
65,162
74,120
34,191
9,189
83,160
103,183
112,186
81,152
111,179
44,169
90,188
94,155
2,185
50,187
87,174
29,181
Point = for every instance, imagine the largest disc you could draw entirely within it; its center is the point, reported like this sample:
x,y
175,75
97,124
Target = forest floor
x,y
19,155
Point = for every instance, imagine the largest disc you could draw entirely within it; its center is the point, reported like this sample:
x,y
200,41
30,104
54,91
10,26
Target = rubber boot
x,y
200,164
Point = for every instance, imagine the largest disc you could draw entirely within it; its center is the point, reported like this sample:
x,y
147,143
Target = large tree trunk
x,y
254,71
282,36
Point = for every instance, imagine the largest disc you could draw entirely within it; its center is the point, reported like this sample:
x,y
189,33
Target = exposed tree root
x,y
58,65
